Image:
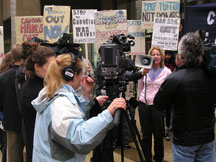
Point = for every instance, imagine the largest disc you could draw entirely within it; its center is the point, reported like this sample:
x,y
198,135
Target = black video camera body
x,y
61,46
209,52
113,61
209,57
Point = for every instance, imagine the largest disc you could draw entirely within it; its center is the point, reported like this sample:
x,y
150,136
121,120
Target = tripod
x,y
133,129
115,88
130,121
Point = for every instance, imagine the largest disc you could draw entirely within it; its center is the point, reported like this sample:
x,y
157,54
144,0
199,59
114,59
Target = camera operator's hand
x,y
145,71
87,84
117,103
101,100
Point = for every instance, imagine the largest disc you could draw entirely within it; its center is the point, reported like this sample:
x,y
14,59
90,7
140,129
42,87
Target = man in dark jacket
x,y
190,95
10,109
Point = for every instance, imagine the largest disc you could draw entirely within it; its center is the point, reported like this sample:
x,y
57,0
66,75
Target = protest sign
x,y
151,9
1,43
56,22
109,23
165,33
134,29
28,27
83,26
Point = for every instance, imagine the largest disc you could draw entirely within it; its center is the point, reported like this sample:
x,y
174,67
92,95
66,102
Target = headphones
x,y
69,71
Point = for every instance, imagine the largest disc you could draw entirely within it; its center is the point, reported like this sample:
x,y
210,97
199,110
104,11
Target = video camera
x,y
113,73
61,46
209,49
114,70
113,61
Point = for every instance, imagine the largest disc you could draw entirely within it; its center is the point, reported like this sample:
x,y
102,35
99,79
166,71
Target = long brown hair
x,y
54,78
35,54
7,62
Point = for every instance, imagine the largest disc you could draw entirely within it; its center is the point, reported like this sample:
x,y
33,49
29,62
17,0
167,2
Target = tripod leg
x,y
137,132
120,134
134,133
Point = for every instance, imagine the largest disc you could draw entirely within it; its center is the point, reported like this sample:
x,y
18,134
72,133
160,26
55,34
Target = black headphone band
x,y
73,62
68,72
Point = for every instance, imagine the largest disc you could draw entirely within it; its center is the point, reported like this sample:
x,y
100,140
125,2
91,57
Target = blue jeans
x,y
198,153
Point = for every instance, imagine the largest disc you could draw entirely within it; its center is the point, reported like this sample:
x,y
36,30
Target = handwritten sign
x,y
56,22
134,29
151,9
28,27
83,26
165,33
109,23
1,43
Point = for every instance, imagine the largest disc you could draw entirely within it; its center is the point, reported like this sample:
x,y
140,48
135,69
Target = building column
x,y
138,9
1,12
13,29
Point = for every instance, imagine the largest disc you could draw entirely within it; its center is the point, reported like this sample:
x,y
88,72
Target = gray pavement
x,y
131,155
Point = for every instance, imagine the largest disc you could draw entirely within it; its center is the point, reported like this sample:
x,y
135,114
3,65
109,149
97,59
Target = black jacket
x,y
191,95
29,92
8,101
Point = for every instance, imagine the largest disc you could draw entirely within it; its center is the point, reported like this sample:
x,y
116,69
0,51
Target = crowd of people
x,y
47,106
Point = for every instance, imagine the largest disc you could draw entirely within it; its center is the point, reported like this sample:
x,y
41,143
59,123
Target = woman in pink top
x,y
151,120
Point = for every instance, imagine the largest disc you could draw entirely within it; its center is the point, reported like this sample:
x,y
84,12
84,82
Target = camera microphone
x,y
131,37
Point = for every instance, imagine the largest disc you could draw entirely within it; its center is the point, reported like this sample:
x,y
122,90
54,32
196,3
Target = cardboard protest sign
x,y
109,23
1,43
28,27
134,29
151,9
83,26
56,22
165,33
